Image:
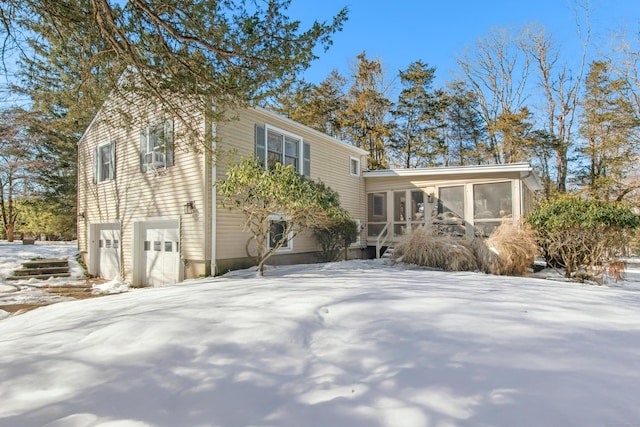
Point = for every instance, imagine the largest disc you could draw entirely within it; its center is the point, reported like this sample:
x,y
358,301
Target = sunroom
x,y
463,202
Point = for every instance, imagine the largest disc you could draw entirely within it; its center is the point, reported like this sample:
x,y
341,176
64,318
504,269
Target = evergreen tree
x,y
365,120
229,53
514,132
466,133
317,106
417,140
67,87
610,128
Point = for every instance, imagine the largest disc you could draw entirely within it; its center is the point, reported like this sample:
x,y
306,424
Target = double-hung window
x,y
156,146
278,146
104,162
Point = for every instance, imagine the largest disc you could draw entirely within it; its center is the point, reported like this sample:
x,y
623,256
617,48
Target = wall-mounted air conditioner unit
x,y
154,159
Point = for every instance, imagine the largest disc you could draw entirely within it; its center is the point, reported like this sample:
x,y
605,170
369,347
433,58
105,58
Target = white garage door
x,y
108,251
160,252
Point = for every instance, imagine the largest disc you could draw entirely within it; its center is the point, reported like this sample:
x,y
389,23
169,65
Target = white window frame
x,y
99,161
284,248
156,157
354,161
283,146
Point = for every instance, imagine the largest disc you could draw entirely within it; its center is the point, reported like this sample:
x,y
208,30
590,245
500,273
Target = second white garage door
x,y
160,255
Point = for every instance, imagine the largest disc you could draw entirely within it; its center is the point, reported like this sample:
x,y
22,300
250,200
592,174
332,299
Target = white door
x,y
109,251
160,253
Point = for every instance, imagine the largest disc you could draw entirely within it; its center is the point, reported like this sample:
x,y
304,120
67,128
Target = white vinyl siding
x,y
136,196
331,159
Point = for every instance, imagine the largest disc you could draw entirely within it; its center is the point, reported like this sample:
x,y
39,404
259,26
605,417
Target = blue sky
x,y
402,31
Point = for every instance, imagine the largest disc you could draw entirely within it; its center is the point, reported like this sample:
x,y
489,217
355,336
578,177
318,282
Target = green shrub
x,y
339,234
582,234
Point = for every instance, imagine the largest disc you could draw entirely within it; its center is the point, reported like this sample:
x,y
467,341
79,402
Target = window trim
x,y
283,156
167,151
357,164
303,158
98,162
280,218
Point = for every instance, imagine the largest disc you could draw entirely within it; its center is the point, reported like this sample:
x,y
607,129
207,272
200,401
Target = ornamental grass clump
x,y
510,250
423,248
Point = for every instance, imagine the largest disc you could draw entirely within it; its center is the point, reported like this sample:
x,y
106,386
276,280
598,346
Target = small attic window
x,y
354,166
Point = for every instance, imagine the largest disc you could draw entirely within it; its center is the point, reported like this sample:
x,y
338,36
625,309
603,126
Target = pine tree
x,y
317,106
417,140
227,51
365,121
466,132
610,128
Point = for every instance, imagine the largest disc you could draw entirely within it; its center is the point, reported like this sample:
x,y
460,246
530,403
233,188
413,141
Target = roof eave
x,y
452,170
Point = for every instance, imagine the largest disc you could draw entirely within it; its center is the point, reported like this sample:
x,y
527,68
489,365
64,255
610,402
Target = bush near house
x,y
584,236
510,250
260,195
336,236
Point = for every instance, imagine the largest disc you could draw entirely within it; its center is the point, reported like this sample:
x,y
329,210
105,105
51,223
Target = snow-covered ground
x,y
357,343
28,291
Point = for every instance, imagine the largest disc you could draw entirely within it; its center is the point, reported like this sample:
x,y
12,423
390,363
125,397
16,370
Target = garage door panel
x,y
160,253
106,249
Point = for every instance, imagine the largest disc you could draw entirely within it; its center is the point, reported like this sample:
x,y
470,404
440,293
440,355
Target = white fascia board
x,y
311,130
451,170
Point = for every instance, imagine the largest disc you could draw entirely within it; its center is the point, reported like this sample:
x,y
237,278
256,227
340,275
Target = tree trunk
x,y
8,229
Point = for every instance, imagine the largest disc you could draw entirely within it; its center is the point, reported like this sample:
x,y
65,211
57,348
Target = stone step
x,y
37,271
42,269
46,262
39,276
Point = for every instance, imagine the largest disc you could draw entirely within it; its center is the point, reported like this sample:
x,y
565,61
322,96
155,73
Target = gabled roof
x,y
290,122
526,172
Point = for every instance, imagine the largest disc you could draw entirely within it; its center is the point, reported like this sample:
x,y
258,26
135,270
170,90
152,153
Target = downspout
x,y
214,202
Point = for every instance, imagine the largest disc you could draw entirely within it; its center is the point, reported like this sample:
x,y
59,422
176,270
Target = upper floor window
x,y
278,146
354,166
156,146
104,162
